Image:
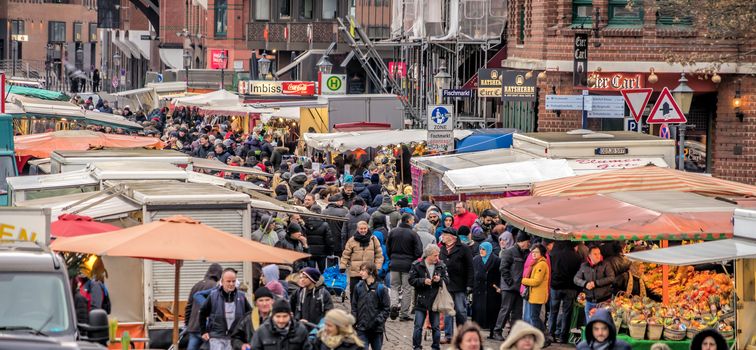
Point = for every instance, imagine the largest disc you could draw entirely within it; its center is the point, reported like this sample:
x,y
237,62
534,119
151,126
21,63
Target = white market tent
x,y
220,98
350,141
513,176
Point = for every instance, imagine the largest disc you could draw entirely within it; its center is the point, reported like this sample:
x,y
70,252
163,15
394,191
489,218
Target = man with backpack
x,y
370,307
311,301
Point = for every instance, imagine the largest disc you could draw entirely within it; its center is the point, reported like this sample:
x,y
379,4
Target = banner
x,y
276,88
515,87
216,62
489,82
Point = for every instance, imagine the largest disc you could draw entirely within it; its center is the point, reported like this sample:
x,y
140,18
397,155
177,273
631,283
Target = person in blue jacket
x,y
380,231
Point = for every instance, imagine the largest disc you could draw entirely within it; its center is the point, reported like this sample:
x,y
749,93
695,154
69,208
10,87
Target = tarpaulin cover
x,y
699,253
37,93
350,141
602,217
220,98
506,176
42,145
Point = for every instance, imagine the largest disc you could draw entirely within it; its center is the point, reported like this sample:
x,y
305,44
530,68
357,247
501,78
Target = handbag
x,y
444,302
526,294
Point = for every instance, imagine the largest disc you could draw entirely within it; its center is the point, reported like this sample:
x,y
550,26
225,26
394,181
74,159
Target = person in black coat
x,y
426,276
565,263
370,307
404,247
375,186
280,331
458,260
336,208
486,288
192,310
511,268
319,239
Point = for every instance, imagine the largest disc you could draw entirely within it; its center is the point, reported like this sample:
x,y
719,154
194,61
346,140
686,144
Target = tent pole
x,y
665,277
176,277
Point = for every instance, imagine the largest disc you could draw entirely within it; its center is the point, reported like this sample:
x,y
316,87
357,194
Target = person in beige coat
x,y
523,336
361,247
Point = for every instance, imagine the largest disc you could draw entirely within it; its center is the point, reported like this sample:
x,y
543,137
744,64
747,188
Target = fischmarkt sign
x,y
333,84
25,224
489,82
440,141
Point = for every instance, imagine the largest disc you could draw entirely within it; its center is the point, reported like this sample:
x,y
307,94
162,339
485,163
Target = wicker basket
x,y
637,330
673,334
617,322
655,331
728,335
692,332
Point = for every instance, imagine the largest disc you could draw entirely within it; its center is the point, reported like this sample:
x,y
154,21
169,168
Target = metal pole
x,y
223,85
681,147
14,49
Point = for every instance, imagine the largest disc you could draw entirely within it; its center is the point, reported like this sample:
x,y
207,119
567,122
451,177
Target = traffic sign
x,y
664,131
636,100
333,84
666,110
114,82
631,125
606,107
440,118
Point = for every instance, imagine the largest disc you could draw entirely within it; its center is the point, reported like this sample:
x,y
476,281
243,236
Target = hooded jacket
x,y
297,181
425,230
404,247
422,210
356,214
362,191
387,209
293,337
311,304
601,274
589,342
318,236
212,276
441,224
519,330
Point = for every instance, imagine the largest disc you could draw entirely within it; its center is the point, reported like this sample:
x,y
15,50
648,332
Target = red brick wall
x,y
234,42
548,119
730,133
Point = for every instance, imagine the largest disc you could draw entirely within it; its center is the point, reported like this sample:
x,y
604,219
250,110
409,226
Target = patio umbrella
x,y
176,239
71,225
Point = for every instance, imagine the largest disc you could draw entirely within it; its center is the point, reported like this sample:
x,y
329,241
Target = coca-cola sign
x,y
298,88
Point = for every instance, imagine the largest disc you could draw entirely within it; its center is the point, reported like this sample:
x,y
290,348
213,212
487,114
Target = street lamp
x,y
263,66
222,58
324,65
683,94
442,80
187,65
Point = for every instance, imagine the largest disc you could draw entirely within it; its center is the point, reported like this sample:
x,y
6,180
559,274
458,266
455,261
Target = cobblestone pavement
x,y
399,335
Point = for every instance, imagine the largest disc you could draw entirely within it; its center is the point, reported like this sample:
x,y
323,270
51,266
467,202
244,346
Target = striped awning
x,y
648,178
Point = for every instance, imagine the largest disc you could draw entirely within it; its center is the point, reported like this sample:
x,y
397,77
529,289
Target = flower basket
x,y
637,330
655,331
673,334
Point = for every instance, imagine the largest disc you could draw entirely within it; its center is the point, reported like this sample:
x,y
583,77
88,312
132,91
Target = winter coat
x,y
318,237
212,318
380,233
347,344
370,306
389,210
356,214
361,190
458,261
589,341
425,294
485,298
422,210
202,151
311,304
425,230
565,263
336,226
289,244
404,247
268,337
511,268
466,219
538,281
212,276
621,267
297,181
355,254
602,275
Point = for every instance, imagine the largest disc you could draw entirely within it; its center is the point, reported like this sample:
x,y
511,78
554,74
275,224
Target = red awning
x,y
360,126
493,62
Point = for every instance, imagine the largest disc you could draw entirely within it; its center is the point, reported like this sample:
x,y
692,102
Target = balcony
x,y
291,36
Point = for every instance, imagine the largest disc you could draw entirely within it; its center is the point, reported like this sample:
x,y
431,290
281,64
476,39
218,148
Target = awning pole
x,y
665,277
176,277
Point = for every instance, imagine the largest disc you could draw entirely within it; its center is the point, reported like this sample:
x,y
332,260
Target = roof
x,y
68,179
350,141
179,193
506,176
112,120
136,170
202,163
37,93
99,204
116,152
578,137
470,160
699,253
26,256
235,185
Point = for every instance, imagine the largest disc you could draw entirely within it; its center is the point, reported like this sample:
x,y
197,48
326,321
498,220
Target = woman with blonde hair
x,y
523,336
337,333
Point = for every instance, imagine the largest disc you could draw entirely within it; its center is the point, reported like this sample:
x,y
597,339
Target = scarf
x,y
334,341
488,248
600,346
331,341
590,261
363,240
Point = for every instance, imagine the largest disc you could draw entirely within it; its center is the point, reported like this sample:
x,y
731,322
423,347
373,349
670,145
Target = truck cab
x,y
7,157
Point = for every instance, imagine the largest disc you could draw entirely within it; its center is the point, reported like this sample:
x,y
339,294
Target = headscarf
x,y
344,323
488,248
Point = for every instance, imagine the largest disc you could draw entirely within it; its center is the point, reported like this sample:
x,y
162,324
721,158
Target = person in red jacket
x,y
462,217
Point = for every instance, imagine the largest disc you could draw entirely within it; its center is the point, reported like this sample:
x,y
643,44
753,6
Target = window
x,y
93,32
17,27
306,9
77,31
262,10
221,17
330,9
284,9
582,11
521,23
669,15
625,12
56,32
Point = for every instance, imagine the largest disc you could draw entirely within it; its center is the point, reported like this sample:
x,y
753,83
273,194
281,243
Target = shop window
x,y
221,18
284,8
669,15
93,32
625,12
17,27
330,9
262,10
56,32
306,9
582,11
77,31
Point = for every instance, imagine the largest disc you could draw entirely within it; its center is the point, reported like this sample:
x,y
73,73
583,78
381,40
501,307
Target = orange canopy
x,y
42,145
648,178
600,217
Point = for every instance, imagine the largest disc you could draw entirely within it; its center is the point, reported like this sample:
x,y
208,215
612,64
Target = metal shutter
x,y
193,271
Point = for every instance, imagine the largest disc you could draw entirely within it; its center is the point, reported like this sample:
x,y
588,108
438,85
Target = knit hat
x,y
293,228
335,198
463,230
275,287
522,237
489,213
320,181
286,176
339,318
312,274
300,194
263,292
281,307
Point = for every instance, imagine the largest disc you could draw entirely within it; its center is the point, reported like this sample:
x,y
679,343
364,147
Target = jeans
x,y
588,307
195,341
417,333
560,314
511,309
532,314
460,317
372,340
400,283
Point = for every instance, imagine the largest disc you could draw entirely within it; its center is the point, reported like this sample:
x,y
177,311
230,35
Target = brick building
x,y
60,33
630,46
183,27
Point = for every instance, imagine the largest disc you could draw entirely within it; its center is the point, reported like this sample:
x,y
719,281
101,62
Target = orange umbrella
x,y
42,145
175,239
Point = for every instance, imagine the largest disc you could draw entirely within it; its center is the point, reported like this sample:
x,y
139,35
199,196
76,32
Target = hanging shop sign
x,y
609,81
516,87
489,82
216,62
456,93
276,88
580,60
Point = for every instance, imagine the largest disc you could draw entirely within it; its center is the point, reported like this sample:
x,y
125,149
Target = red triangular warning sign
x,y
666,110
636,100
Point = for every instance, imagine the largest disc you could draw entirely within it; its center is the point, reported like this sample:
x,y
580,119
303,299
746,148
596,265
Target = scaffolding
x,y
460,35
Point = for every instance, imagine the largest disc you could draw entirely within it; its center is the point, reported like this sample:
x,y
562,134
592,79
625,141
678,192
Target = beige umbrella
x,y
176,239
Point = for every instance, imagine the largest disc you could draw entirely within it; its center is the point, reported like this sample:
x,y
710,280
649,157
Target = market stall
x,y
211,99
350,141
